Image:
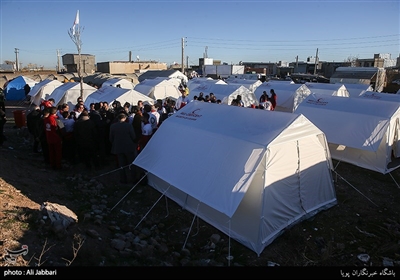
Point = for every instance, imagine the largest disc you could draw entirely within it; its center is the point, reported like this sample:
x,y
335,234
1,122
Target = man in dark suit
x,y
123,146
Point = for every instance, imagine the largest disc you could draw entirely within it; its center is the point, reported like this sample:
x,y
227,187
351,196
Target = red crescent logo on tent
x,y
319,99
194,112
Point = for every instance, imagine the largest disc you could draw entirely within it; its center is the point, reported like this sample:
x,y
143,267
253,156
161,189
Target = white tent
x,y
195,82
328,89
252,85
123,83
359,131
289,95
381,96
171,73
356,90
69,93
159,88
250,179
110,94
226,93
42,90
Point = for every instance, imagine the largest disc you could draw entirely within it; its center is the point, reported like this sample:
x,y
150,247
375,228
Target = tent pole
x,y
190,229
163,194
229,257
335,169
198,227
394,180
166,206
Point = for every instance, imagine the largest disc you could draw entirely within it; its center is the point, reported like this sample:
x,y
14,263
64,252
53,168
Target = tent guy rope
x,y
355,189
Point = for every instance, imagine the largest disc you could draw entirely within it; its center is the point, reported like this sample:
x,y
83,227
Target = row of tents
x,y
290,94
266,170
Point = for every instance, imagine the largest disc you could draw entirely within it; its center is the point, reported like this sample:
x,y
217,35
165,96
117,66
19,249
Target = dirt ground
x,y
118,225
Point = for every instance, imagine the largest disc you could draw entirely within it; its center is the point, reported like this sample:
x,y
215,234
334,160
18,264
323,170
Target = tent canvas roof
x,y
118,81
195,82
110,94
151,74
42,90
290,95
381,96
329,89
250,84
357,89
158,88
359,130
69,93
226,93
331,113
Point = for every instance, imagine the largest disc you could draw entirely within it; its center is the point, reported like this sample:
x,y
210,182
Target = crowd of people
x,y
88,135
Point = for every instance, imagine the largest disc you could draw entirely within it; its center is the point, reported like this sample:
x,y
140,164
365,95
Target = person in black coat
x,y
3,120
33,122
122,137
86,138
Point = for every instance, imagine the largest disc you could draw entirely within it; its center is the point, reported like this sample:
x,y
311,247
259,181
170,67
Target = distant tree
x,y
352,60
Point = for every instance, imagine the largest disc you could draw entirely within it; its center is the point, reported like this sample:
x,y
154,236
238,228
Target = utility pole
x,y
16,59
187,63
297,63
58,61
183,47
316,62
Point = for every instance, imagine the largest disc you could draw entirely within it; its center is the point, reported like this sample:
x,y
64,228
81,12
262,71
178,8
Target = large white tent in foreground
x,y
248,178
360,131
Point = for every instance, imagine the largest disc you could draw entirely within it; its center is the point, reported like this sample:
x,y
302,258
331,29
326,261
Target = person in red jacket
x,y
53,138
46,104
